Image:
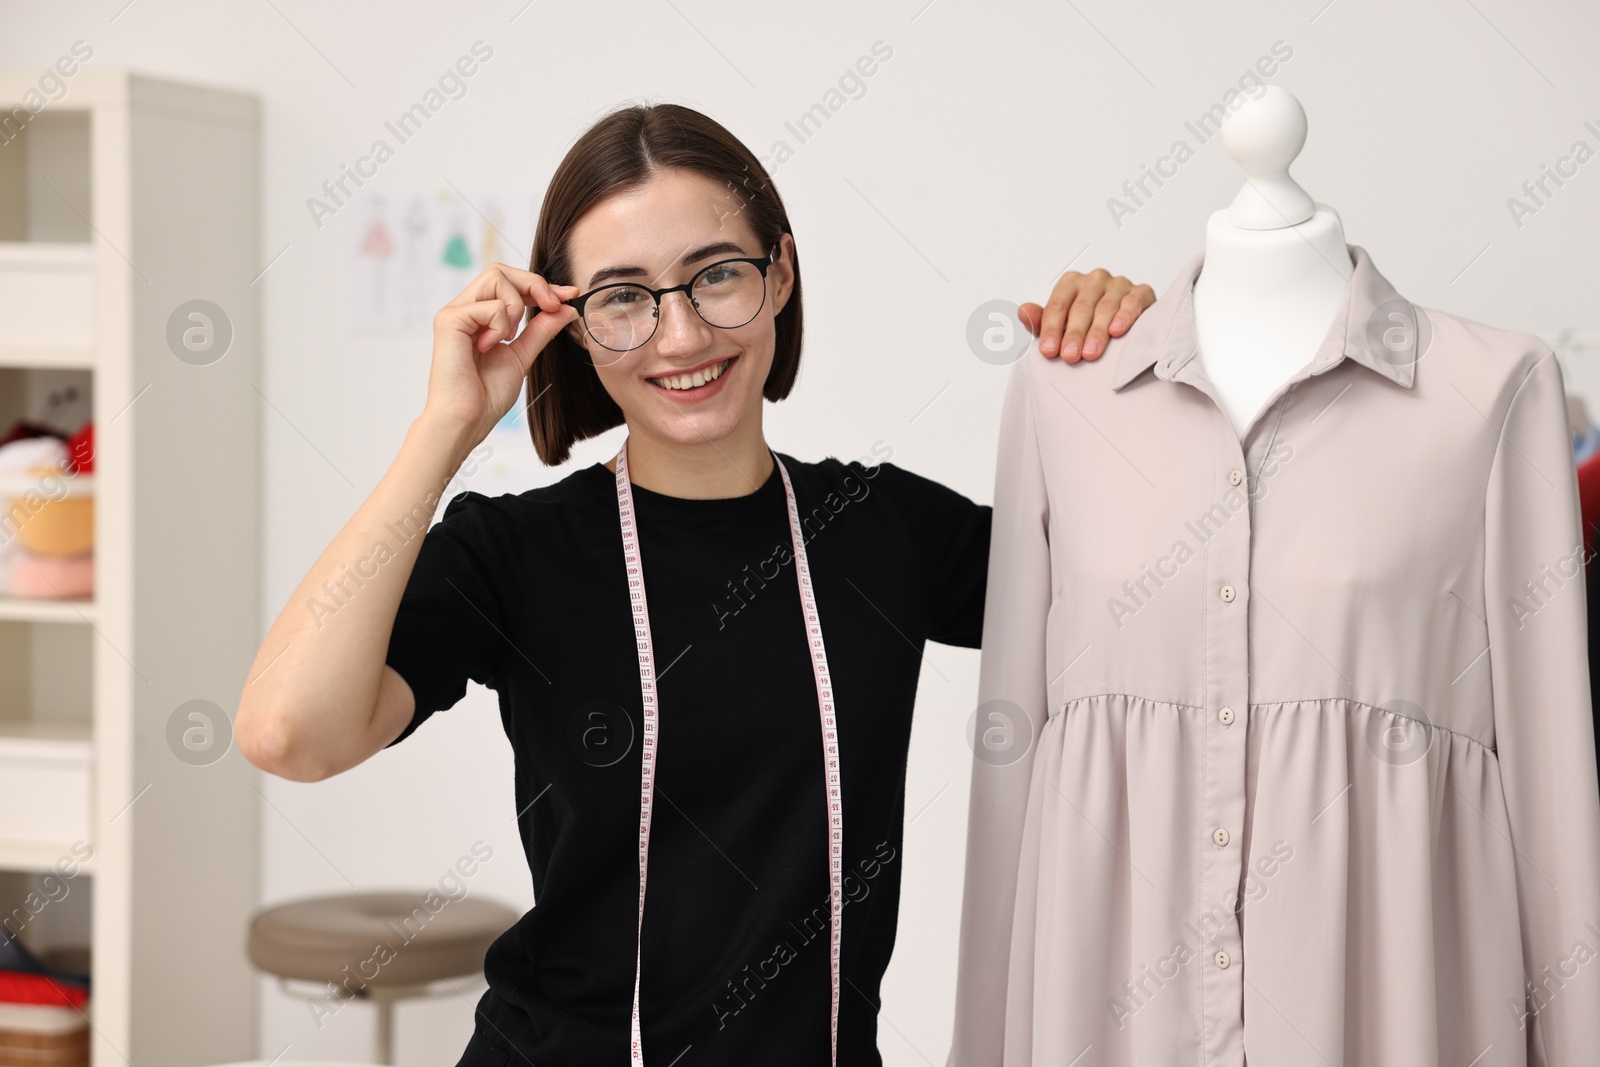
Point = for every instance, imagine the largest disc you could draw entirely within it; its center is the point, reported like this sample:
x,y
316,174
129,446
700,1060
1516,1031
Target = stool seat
x,y
383,939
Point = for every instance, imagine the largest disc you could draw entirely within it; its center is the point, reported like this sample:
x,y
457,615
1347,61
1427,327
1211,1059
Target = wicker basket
x,y
40,1035
60,526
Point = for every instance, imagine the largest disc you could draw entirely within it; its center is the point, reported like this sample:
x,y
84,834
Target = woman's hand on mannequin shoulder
x,y
1084,312
475,377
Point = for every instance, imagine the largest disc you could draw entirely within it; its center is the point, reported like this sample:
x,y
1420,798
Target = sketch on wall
x,y
412,251
415,250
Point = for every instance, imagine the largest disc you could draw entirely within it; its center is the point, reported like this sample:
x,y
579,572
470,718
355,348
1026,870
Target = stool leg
x,y
385,1029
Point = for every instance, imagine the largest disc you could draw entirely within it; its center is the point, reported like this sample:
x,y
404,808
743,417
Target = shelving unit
x,y
19,609
120,202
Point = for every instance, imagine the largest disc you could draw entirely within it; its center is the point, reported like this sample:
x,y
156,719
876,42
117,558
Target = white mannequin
x,y
1276,266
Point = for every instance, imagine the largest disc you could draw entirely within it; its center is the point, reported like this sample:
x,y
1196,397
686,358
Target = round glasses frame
x,y
761,264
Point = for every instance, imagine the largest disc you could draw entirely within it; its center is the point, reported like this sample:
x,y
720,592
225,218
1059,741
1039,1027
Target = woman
x,y
683,716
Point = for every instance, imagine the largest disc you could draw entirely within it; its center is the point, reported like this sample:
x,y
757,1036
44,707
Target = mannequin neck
x,y
1270,266
1263,303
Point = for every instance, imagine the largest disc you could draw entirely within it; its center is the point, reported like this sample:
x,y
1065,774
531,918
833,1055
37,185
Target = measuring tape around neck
x,y
647,686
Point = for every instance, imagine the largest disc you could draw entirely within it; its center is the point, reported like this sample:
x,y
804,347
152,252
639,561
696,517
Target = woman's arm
x,y
320,697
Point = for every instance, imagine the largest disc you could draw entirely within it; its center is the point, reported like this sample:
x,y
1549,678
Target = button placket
x,y
1226,606
1227,651
1228,643
1227,654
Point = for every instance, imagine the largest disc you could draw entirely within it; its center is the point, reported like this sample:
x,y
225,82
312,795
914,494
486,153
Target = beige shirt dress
x,y
1284,753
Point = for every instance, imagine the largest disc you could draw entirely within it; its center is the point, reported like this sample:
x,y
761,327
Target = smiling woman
x,y
643,195
738,756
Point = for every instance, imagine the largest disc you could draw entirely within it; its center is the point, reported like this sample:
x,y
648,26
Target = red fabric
x,y
80,450
1589,501
19,988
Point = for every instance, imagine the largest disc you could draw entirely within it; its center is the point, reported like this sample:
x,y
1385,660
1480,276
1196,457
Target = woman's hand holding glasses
x,y
475,378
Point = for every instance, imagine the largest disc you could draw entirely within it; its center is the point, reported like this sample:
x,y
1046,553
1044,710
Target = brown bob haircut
x,y
623,150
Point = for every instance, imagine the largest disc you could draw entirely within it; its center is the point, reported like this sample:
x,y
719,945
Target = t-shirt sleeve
x,y
950,538
460,606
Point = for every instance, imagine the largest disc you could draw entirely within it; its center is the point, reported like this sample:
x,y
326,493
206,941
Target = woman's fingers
x,y
505,282
536,289
494,319
1104,312
1077,337
1116,311
1118,307
471,382
486,285
510,298
539,332
1054,320
1085,311
483,322
1031,315
1134,301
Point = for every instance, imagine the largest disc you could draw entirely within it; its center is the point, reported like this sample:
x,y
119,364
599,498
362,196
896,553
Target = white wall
x,y
977,165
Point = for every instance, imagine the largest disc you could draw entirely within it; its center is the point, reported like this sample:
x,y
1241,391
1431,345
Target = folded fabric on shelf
x,y
19,988
26,979
18,459
34,574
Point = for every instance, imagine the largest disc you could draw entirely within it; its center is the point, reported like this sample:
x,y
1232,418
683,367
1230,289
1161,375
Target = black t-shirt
x,y
527,594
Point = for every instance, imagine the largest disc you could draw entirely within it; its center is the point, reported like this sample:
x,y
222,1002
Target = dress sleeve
x,y
1544,733
1012,698
457,614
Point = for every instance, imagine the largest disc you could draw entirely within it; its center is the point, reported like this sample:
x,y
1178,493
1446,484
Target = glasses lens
x,y
729,294
621,317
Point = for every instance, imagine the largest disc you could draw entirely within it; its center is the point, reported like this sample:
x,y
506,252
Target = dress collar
x,y
1375,326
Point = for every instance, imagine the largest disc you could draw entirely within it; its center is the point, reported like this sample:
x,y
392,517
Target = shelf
x,y
47,357
47,294
63,486
39,856
40,609
46,787
68,737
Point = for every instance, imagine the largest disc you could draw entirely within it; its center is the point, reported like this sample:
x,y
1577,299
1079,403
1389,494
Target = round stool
x,y
381,947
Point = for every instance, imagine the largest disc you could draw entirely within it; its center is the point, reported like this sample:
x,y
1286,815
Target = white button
x,y
1222,959
1226,715
1220,836
1227,594
1235,476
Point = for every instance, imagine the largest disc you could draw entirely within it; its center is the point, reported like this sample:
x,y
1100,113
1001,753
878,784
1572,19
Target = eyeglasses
x,y
726,294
